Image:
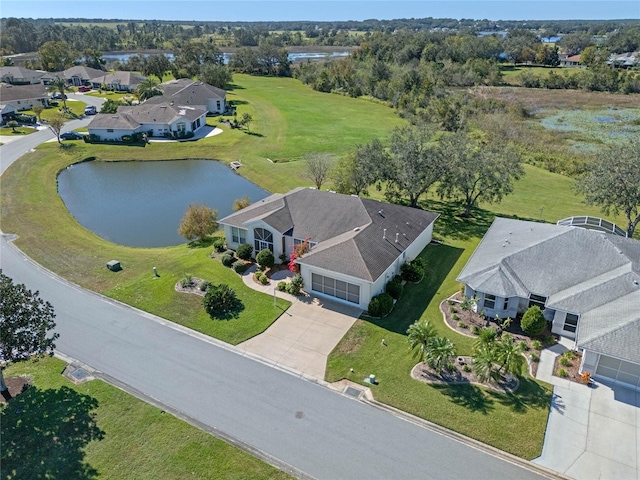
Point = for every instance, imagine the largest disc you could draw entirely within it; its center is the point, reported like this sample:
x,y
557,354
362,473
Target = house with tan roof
x,y
119,81
357,244
195,94
586,282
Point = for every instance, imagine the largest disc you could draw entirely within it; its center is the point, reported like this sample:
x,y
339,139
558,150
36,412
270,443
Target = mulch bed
x,y
471,318
16,386
424,373
571,369
193,288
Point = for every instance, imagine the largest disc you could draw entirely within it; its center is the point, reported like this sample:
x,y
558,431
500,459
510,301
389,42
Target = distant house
x,y
119,81
571,61
195,94
624,60
161,120
23,97
75,76
357,244
6,112
20,75
586,282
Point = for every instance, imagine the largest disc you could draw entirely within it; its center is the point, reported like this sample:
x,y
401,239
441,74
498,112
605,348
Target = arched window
x,y
262,239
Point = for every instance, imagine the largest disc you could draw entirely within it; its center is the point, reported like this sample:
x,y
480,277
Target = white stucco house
x,y
162,120
194,94
357,244
586,282
23,97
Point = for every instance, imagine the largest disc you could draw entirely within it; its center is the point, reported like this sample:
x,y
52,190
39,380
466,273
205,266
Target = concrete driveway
x,y
303,336
593,433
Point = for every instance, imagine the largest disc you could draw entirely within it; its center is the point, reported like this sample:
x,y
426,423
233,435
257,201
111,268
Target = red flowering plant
x,y
298,251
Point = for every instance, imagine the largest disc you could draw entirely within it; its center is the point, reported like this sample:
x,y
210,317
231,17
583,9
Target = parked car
x,y
84,89
90,110
71,136
57,96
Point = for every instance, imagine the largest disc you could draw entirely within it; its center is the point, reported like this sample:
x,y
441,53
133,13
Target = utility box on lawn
x,y
114,266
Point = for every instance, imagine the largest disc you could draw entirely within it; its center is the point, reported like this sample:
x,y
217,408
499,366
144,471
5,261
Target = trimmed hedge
x,y
227,260
394,289
533,322
244,251
412,271
265,258
240,267
380,305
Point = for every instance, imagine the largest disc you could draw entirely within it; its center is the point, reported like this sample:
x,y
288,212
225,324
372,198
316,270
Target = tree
x,y
13,124
533,321
478,172
246,120
419,335
156,65
613,182
486,337
216,75
56,56
318,166
483,362
508,353
55,124
415,163
59,85
38,108
440,353
355,172
25,325
148,88
198,222
220,299
240,203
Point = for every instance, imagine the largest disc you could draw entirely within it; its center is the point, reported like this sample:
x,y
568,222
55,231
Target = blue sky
x,y
256,10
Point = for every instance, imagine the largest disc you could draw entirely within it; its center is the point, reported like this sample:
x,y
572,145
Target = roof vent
x,y
357,229
381,213
384,233
397,235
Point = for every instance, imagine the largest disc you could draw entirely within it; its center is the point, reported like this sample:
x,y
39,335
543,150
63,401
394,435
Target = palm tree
x,y
419,335
59,85
440,353
148,88
508,353
486,337
483,361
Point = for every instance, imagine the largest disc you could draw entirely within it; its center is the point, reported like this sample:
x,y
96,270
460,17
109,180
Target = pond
x,y
294,57
140,204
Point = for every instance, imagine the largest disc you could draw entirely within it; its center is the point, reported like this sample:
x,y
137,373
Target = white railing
x,y
594,223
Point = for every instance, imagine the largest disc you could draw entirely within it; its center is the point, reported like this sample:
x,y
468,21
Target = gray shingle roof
x,y
121,78
10,93
161,113
119,120
349,230
86,73
19,72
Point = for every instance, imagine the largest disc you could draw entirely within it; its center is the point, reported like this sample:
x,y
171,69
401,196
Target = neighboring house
x,y
119,81
161,120
571,61
75,76
587,283
23,97
7,112
624,60
357,244
195,94
20,75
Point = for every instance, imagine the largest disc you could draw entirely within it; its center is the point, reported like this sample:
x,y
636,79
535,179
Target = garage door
x,y
619,370
335,288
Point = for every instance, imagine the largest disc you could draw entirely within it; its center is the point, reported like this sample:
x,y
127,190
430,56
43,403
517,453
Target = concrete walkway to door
x,y
304,335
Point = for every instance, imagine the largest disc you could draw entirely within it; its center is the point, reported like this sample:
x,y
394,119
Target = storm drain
x,y
80,374
77,374
353,392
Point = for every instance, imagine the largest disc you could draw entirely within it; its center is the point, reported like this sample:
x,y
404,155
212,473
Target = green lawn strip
x,y
77,109
17,131
511,73
60,430
109,95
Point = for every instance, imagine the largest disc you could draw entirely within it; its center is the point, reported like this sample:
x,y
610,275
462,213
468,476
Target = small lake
x,y
140,204
294,57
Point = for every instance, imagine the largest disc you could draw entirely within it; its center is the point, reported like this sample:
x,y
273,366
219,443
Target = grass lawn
x,y
510,73
16,131
95,430
109,95
76,107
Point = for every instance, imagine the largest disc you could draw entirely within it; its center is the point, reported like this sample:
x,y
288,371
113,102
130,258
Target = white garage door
x,y
335,288
619,370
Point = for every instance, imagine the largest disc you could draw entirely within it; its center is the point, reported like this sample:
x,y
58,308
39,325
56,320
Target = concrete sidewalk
x,y
304,335
592,432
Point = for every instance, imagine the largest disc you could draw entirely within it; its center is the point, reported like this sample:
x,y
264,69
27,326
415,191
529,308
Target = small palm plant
x,y
440,353
419,335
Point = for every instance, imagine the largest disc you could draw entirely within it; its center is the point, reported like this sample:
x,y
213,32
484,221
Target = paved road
x,y
300,423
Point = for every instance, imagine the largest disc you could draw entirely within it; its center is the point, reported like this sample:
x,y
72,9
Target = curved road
x,y
289,420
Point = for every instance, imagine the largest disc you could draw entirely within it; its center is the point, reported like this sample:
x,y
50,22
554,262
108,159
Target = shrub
x,y
549,340
466,368
563,373
229,252
227,260
453,309
455,316
265,258
245,251
205,285
475,330
564,361
462,325
537,344
533,322
283,257
220,299
258,275
412,271
450,302
264,279
296,285
380,305
218,244
524,346
186,281
282,286
240,267
394,289
569,355
534,357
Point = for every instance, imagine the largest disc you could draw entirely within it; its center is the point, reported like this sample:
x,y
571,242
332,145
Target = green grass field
x,y
60,430
109,95
511,73
16,131
75,106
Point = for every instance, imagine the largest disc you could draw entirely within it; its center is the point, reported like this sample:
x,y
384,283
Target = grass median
x,y
56,429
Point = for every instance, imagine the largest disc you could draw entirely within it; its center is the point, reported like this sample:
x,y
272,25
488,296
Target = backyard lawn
x,y
16,131
60,430
75,106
